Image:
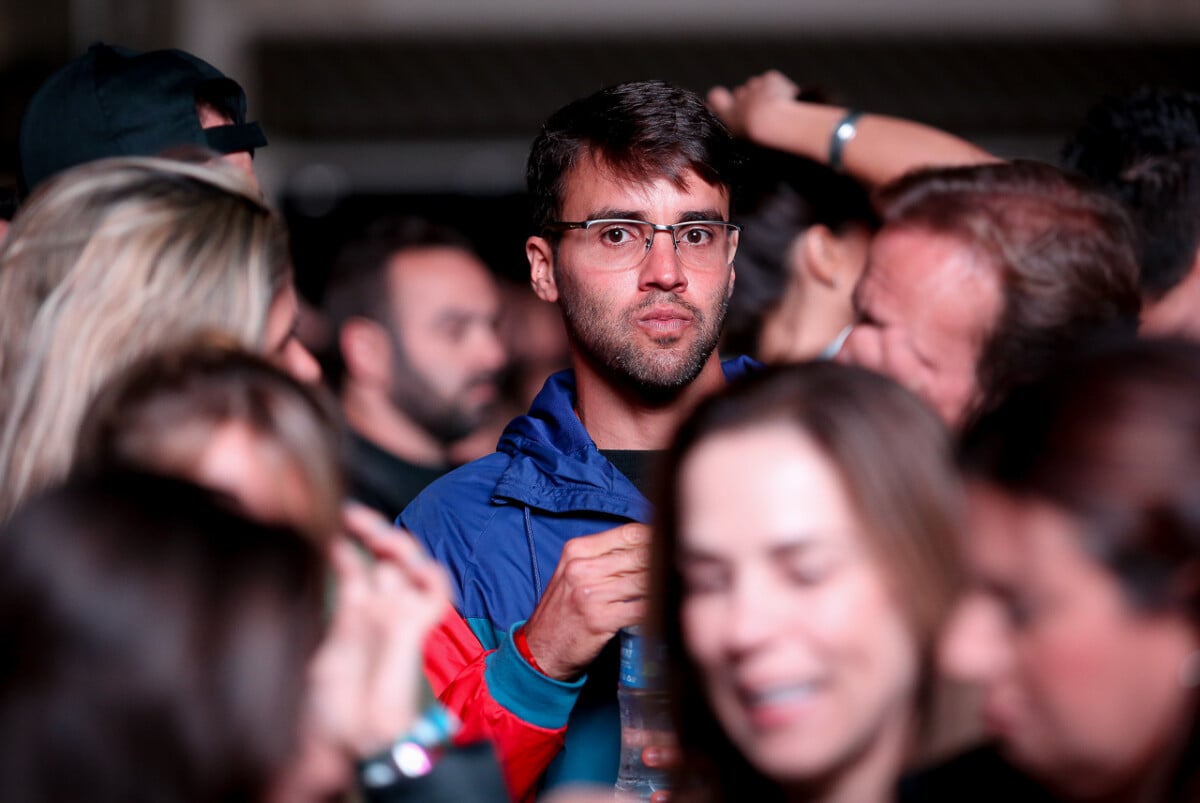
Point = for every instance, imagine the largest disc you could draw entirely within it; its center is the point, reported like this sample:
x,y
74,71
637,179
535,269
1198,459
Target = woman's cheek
x,y
702,621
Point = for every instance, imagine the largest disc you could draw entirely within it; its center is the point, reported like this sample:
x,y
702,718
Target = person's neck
x,y
871,778
374,417
802,325
618,417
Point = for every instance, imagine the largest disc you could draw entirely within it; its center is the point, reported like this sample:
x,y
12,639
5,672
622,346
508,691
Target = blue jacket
x,y
498,525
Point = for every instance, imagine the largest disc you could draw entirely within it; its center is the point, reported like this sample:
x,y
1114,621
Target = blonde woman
x,y
111,260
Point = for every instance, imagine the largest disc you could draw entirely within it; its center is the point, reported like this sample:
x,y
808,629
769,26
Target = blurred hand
x,y
664,757
598,587
365,679
759,98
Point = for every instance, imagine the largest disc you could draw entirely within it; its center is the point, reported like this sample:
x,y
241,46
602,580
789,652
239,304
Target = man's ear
x,y
732,282
540,254
366,351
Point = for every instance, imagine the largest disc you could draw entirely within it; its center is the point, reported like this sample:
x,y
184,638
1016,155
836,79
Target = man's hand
x,y
598,587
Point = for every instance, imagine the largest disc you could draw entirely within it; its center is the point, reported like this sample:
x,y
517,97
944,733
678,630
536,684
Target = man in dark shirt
x,y
415,357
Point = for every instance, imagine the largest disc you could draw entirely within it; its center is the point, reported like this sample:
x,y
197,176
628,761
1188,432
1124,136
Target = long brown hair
x,y
894,458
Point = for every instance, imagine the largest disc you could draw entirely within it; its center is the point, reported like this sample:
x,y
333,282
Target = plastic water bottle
x,y
645,720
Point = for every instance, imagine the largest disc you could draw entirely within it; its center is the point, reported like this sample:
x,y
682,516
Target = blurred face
x,y
1081,689
924,307
282,346
805,655
829,265
657,324
252,470
448,355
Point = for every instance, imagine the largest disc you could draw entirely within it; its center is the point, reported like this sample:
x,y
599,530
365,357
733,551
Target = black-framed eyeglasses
x,y
622,244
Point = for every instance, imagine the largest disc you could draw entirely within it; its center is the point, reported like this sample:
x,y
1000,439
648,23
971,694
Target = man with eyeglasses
x,y
547,539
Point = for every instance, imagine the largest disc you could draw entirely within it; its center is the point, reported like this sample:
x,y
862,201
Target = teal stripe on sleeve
x,y
532,696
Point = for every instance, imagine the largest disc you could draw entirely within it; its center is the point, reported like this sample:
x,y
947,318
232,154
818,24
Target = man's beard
x,y
607,341
446,419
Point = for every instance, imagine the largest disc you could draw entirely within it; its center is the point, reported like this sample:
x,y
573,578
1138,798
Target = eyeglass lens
x,y
624,244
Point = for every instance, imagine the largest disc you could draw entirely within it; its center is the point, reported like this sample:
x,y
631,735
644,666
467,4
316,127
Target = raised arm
x,y
875,148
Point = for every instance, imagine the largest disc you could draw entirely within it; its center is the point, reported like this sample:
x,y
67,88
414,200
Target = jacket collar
x,y
555,465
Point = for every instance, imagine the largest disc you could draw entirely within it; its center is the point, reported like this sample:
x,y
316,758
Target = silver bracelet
x,y
843,132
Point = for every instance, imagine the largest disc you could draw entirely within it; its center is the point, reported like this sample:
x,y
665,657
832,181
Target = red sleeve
x,y
455,662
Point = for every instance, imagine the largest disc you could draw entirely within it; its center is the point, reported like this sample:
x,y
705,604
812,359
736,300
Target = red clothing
x,y
454,664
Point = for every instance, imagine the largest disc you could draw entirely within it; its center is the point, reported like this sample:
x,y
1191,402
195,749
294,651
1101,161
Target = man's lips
x,y
665,319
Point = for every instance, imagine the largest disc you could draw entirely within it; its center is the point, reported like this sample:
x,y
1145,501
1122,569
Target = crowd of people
x,y
894,446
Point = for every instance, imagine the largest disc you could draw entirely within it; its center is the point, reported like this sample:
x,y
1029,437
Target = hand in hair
x,y
750,110
765,110
598,587
366,677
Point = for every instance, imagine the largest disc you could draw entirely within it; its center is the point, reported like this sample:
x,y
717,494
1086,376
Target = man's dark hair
x,y
1063,252
358,283
1144,150
642,130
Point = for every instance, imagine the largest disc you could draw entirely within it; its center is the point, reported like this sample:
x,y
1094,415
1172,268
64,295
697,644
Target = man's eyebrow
x,y
608,213
617,214
455,316
702,214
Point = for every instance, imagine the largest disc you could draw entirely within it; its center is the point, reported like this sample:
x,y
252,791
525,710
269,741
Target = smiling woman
x,y
804,558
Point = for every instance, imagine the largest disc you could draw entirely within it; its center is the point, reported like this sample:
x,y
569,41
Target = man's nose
x,y
661,268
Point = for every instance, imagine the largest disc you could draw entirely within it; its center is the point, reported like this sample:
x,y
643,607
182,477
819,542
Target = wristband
x,y
843,132
523,648
412,755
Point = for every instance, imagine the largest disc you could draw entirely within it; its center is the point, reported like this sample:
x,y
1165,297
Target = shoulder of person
x,y
980,774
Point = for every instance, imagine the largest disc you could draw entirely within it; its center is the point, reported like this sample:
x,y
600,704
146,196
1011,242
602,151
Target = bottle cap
x,y
643,660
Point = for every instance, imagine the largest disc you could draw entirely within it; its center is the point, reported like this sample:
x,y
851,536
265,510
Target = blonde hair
x,y
106,262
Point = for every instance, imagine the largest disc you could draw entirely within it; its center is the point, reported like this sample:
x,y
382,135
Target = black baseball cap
x,y
113,101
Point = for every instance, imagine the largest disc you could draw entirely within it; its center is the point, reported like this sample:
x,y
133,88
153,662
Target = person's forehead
x,y
920,277
593,184
431,279
774,479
